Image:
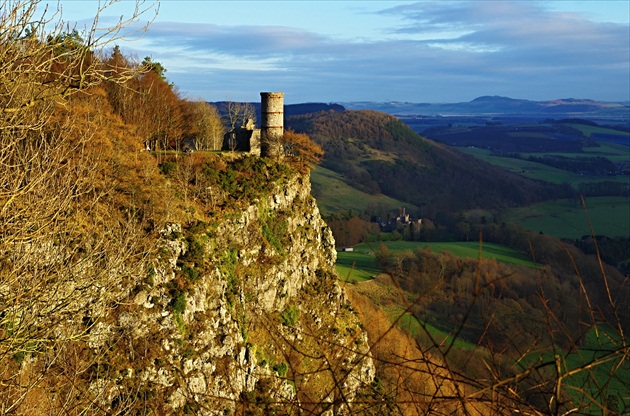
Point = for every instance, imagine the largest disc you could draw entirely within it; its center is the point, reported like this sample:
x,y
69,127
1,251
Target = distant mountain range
x,y
481,106
496,105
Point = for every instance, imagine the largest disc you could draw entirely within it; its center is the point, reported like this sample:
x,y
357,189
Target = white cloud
x,y
438,51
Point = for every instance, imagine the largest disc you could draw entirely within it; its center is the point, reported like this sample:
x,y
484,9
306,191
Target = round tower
x,y
272,123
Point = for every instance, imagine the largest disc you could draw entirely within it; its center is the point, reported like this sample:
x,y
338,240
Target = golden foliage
x,y
300,148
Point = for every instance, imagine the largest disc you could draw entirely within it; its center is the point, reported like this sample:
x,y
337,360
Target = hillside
x,y
136,279
378,154
334,194
139,283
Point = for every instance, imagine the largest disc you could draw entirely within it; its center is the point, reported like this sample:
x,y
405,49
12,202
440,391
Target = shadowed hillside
x,y
379,154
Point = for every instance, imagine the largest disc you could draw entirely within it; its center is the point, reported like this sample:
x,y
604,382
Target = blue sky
x,y
424,51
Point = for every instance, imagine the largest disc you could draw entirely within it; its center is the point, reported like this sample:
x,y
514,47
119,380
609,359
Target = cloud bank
x,y
439,52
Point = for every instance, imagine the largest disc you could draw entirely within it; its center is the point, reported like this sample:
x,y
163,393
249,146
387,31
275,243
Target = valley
x,y
527,250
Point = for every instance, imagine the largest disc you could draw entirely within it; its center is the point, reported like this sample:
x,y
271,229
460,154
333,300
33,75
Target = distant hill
x,y
289,109
378,154
306,108
497,105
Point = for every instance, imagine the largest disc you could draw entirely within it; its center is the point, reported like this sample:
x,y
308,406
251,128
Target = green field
x,y
526,168
610,216
465,249
360,264
611,151
356,266
542,172
333,194
589,130
426,333
612,375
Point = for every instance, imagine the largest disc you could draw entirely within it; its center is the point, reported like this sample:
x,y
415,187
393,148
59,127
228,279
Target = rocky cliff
x,y
240,313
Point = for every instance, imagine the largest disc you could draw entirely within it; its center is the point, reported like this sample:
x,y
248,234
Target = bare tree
x,y
237,114
55,278
208,127
52,59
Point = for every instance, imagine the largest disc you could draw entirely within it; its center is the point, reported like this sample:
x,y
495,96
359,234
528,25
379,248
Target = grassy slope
x,y
566,218
360,264
613,375
610,378
469,249
356,266
338,196
426,332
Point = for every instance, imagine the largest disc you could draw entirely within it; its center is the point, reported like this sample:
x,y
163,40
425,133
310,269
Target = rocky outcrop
x,y
237,314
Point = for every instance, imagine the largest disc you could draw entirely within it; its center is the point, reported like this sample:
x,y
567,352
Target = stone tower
x,y
272,123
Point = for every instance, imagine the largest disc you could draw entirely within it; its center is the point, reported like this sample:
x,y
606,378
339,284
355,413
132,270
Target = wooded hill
x,y
378,154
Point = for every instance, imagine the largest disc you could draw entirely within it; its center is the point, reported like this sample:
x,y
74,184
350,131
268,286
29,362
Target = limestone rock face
x,y
240,314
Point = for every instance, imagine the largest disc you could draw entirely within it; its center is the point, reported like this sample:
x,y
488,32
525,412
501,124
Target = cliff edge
x,y
234,307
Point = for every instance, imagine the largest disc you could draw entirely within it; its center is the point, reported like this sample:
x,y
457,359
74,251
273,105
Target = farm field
x,y
356,266
522,167
589,131
564,218
612,151
465,249
540,171
360,264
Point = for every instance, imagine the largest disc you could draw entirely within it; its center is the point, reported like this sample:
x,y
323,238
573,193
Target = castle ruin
x,y
245,138
272,123
266,141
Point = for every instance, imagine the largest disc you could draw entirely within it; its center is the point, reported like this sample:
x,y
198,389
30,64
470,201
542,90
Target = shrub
x,y
179,302
281,368
167,167
290,315
190,272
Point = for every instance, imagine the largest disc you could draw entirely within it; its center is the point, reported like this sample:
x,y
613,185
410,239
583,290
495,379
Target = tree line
x,y
160,115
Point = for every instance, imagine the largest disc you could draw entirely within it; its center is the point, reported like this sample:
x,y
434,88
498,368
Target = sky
x,y
409,51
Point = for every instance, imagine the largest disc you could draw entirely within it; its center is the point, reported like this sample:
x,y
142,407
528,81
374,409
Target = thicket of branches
x,y
512,339
59,244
